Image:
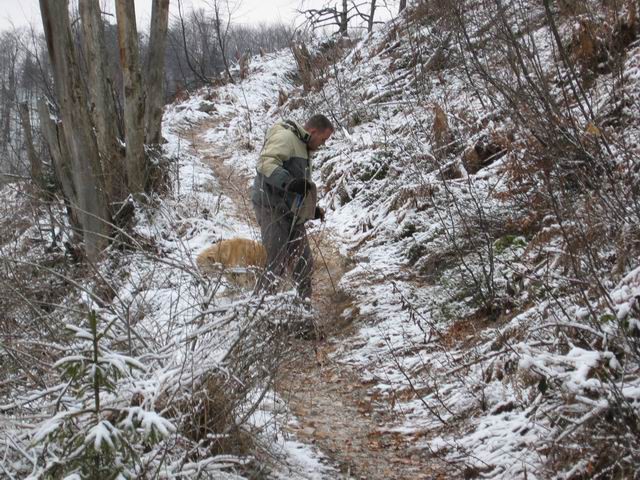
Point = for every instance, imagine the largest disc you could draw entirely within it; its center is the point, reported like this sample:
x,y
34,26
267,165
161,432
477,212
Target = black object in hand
x,y
299,185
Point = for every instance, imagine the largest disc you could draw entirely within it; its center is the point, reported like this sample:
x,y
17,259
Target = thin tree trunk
x,y
12,96
344,18
187,55
35,162
9,94
7,101
403,5
103,109
222,39
60,161
133,95
372,13
155,69
92,208
3,111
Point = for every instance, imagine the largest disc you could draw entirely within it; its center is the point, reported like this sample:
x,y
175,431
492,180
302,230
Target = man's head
x,y
320,128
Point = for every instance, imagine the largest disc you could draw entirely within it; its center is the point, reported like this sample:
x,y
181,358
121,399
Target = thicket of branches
x,y
23,68
346,14
548,95
80,383
203,43
193,59
573,176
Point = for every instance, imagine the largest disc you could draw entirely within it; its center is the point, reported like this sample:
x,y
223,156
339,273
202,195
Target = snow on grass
x,y
397,334
419,334
486,392
237,105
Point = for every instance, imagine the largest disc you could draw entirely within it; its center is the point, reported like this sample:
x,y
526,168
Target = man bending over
x,y
284,198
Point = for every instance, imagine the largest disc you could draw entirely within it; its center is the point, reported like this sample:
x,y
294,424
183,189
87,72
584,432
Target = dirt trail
x,y
335,410
232,183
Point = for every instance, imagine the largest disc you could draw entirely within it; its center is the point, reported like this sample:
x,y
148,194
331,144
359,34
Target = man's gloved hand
x,y
299,185
319,214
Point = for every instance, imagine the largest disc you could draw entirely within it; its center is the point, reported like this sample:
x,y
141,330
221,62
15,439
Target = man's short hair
x,y
319,122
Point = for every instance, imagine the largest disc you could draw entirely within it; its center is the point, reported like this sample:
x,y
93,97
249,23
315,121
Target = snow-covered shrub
x,y
505,260
93,434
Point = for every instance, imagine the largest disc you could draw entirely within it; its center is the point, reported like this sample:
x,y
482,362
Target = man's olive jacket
x,y
284,157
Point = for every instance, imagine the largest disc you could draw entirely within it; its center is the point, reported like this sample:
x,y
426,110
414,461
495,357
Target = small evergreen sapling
x,y
95,433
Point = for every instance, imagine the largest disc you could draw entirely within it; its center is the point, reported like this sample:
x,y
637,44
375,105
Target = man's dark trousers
x,y
285,242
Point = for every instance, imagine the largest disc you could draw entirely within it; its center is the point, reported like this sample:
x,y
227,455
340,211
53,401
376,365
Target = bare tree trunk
x,y
372,13
133,95
92,208
103,109
403,5
4,117
155,69
60,160
187,56
60,157
222,36
51,129
344,18
35,162
12,95
8,95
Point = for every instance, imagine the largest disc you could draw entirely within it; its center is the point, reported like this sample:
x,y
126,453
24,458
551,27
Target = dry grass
x,y
208,418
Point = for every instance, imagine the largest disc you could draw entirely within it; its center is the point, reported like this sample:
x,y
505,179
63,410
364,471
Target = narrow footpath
x,y
334,409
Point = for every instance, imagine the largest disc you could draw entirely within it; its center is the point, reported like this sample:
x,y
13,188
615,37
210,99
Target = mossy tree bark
x,y
134,103
155,69
91,205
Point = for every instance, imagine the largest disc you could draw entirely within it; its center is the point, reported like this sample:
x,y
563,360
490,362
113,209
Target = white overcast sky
x,y
23,12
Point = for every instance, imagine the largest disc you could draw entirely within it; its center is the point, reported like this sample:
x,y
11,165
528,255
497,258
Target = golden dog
x,y
233,254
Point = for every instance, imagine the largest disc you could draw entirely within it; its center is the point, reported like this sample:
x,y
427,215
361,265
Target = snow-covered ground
x,y
484,389
467,329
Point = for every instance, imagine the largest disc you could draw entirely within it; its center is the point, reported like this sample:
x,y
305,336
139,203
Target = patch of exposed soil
x,y
337,411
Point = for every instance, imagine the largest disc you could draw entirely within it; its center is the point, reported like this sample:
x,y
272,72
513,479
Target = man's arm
x,y
270,164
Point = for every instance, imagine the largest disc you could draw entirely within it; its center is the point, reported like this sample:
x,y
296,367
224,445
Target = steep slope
x,y
493,282
310,384
472,264
477,282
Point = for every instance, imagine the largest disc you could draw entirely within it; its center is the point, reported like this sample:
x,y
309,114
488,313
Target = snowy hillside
x,y
493,252
477,283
